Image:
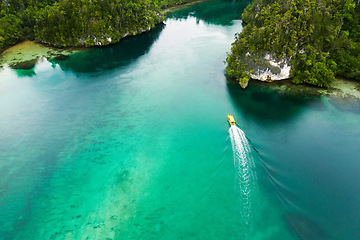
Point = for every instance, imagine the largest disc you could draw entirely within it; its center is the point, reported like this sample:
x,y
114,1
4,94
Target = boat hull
x,y
231,119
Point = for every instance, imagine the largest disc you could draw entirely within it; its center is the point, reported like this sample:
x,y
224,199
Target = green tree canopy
x,y
78,22
321,37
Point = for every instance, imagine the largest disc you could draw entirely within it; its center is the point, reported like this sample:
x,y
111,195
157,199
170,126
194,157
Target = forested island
x,y
319,39
316,39
64,23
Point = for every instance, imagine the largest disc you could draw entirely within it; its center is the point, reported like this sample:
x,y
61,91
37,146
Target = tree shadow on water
x,y
264,104
110,57
25,72
218,12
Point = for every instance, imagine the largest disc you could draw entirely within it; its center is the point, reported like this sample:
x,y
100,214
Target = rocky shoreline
x,y
341,90
26,54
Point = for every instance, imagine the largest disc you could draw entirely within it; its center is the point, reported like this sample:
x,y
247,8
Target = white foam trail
x,y
246,178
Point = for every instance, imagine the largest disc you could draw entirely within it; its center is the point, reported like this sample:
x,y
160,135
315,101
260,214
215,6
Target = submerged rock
x,y
304,228
26,65
60,57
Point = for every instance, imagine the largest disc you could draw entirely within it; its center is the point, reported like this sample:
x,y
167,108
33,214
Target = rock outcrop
x,y
265,67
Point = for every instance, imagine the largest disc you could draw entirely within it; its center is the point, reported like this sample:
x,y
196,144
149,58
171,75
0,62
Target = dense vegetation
x,y
77,22
321,37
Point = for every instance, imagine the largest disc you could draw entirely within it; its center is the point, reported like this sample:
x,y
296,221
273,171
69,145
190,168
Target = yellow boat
x,y
231,119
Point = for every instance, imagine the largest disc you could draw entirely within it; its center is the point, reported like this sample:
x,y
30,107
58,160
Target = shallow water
x,y
131,142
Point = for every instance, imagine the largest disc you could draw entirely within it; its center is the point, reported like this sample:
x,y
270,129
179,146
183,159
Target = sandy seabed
x,y
27,53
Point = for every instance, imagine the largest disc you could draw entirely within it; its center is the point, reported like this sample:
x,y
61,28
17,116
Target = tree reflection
x,y
107,58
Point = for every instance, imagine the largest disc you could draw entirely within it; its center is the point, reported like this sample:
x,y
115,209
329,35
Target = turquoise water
x,y
131,141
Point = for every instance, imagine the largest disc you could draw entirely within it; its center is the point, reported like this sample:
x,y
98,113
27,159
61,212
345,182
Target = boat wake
x,y
246,179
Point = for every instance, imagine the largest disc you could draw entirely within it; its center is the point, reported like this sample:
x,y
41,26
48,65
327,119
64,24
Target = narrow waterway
x,y
131,141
